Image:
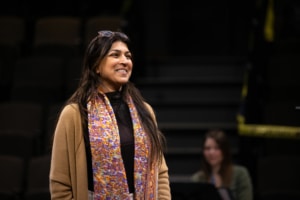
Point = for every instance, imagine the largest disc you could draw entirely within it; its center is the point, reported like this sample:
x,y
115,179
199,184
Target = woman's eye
x,y
115,55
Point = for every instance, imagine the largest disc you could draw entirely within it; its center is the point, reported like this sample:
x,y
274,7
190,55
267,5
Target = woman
x,y
233,181
106,143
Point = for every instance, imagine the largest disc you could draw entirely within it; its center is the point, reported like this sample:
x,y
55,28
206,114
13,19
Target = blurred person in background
x,y
232,181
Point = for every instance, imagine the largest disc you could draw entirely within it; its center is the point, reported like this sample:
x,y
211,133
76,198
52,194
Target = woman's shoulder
x,y
148,106
69,110
240,170
198,176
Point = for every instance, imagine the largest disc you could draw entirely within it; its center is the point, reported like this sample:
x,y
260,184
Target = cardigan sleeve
x,y
164,191
60,179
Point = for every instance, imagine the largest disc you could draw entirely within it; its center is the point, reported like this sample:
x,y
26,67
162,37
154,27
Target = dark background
x,y
192,62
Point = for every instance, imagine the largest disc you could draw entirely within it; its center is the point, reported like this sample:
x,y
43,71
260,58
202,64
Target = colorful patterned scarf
x,y
108,169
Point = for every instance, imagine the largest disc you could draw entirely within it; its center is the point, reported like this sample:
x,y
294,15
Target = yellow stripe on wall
x,y
269,131
269,22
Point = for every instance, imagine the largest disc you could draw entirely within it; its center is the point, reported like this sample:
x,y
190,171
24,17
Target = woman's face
x,y
116,67
212,152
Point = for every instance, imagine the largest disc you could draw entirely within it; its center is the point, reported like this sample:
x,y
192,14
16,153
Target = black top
x,y
125,126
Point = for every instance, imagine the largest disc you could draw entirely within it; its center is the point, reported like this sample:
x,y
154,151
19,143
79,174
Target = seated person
x,y
217,167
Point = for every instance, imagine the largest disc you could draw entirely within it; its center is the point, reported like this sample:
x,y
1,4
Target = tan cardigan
x,y
68,173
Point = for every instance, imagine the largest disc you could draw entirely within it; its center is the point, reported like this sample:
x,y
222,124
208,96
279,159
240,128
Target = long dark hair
x,y
90,81
226,166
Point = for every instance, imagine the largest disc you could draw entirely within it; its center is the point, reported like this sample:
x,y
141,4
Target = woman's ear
x,y
98,70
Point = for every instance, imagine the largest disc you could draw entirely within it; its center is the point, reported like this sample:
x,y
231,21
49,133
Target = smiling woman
x,y
106,141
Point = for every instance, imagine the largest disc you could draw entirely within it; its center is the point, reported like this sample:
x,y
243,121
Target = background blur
x,y
225,64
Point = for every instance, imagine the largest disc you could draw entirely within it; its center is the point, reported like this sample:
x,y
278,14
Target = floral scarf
x,y
108,168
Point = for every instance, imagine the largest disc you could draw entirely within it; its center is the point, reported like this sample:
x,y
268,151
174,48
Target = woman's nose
x,y
124,59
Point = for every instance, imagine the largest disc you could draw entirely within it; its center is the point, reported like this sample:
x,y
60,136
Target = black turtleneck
x,y
124,121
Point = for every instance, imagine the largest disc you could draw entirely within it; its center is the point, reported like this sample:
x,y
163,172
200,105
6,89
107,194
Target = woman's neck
x,y
215,169
105,89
